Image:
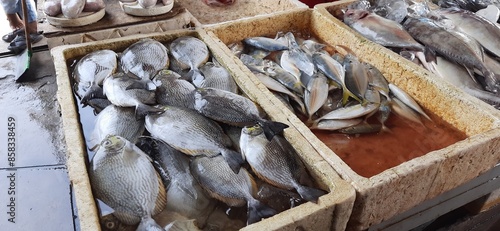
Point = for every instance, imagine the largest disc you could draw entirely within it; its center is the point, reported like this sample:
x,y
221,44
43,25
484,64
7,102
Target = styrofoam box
x,y
401,187
331,213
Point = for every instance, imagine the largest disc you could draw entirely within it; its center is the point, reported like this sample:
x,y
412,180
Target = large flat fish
x,y
144,58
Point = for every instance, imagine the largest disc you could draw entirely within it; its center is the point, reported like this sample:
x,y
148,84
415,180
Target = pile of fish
x,y
326,90
146,4
456,44
71,8
173,141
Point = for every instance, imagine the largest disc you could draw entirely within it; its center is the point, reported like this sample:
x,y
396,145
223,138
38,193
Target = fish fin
x,y
142,110
143,85
95,91
233,159
346,94
271,128
258,210
196,77
309,194
148,224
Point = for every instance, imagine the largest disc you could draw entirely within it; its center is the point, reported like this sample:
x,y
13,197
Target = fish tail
x,y
346,94
95,91
148,224
309,194
196,77
492,81
233,159
271,128
257,210
142,110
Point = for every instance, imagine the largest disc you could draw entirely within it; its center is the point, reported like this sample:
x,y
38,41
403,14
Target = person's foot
x,y
12,35
19,43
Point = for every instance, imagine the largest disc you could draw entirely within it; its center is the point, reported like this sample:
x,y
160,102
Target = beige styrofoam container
x,y
331,213
402,187
240,9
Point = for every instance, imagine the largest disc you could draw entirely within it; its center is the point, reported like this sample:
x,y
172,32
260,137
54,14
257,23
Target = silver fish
x,y
333,125
459,47
298,57
377,80
350,112
274,85
144,58
361,128
185,195
316,94
190,53
172,90
133,197
217,76
477,27
404,111
276,162
407,99
233,189
193,134
265,43
72,8
356,77
233,109
382,31
119,121
126,91
90,72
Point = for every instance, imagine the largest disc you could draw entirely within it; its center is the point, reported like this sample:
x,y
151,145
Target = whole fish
x,y
172,90
233,189
144,58
273,70
274,85
276,162
133,197
335,124
90,72
377,29
407,99
394,10
193,134
361,128
459,47
356,77
118,121
377,80
190,53
477,27
401,109
265,43
350,112
72,8
125,91
298,57
147,3
217,76
233,109
185,195
316,93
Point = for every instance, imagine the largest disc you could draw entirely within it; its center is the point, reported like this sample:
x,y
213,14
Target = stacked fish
x,y
469,57
328,91
201,132
71,8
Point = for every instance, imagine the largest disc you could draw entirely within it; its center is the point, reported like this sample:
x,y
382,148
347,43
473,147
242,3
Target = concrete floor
x,y
35,192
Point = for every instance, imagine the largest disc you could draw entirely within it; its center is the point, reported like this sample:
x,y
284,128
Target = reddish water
x,y
370,154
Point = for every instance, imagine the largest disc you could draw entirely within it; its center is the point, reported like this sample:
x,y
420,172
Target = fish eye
x,y
107,143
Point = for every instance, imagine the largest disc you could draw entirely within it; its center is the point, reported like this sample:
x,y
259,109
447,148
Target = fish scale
x,y
144,58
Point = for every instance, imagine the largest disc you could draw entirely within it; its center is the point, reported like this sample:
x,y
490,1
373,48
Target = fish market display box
x,y
239,9
405,185
331,213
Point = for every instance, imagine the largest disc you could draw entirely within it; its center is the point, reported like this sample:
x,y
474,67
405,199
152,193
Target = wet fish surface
x,y
172,90
144,58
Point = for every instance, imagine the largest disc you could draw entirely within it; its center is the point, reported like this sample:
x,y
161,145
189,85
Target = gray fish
x,y
193,134
361,128
276,162
356,77
144,58
477,27
217,76
298,57
273,70
172,90
316,94
233,189
377,80
382,31
265,43
384,111
311,46
136,197
90,72
401,109
274,85
407,99
118,121
459,47
233,109
350,112
334,125
185,195
126,91
472,5
190,53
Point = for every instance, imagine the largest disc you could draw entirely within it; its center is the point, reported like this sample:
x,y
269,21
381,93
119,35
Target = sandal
x,y
12,35
19,43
